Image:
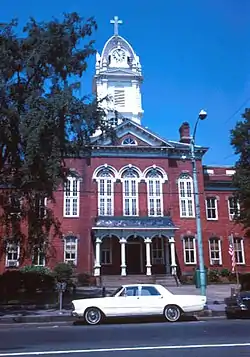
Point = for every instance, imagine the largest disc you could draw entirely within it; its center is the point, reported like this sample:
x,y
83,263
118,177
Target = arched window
x,y
154,189
186,196
105,179
72,197
130,179
129,141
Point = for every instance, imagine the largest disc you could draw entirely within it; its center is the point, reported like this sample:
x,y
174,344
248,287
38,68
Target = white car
x,y
137,300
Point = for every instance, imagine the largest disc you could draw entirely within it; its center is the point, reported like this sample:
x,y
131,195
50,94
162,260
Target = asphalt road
x,y
218,337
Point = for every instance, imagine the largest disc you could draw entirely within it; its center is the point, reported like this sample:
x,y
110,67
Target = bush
x,y
213,276
63,272
36,269
225,273
11,282
85,279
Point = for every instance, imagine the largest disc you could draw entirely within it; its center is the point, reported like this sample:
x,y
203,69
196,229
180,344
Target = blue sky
x,y
194,54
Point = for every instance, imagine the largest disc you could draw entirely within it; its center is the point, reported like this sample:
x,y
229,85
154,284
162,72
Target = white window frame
x,y
69,196
106,246
71,240
231,208
189,249
158,246
186,196
40,257
236,251
12,262
211,251
105,193
212,208
153,195
130,197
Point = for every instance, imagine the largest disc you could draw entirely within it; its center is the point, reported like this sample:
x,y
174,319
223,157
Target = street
x,y
218,336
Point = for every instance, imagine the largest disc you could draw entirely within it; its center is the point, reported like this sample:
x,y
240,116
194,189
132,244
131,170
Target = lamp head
x,y
202,114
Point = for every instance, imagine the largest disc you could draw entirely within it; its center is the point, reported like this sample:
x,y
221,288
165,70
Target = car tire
x,y
93,316
172,313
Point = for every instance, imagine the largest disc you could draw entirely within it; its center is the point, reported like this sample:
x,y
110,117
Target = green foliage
x,y
63,272
225,272
240,140
85,279
213,275
36,269
43,120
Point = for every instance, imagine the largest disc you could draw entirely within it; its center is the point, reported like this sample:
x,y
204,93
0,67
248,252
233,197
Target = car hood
x,y
91,300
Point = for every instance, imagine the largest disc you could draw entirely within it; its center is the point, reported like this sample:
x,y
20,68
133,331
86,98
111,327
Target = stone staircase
x,y
114,281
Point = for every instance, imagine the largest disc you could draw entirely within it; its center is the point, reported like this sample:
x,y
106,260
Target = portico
x,y
134,245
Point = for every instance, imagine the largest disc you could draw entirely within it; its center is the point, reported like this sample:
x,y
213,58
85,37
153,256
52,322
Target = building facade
x,y
129,207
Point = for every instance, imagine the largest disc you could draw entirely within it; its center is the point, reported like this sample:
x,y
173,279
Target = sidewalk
x,y
215,306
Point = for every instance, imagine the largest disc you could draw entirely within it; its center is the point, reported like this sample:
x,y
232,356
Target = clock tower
x,y
118,79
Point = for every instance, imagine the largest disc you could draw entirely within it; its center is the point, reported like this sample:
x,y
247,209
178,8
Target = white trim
x,y
130,167
192,249
188,196
104,167
213,260
108,208
12,262
212,208
69,197
164,177
39,251
242,250
132,193
70,251
231,216
154,197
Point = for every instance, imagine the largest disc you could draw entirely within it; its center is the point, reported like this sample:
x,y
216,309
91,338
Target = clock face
x,y
119,55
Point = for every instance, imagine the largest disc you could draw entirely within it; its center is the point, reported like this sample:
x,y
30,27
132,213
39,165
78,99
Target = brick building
x,y
129,207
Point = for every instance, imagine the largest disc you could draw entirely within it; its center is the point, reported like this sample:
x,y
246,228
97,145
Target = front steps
x,y
114,281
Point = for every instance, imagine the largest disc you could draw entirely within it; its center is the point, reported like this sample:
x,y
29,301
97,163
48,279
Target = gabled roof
x,y
130,127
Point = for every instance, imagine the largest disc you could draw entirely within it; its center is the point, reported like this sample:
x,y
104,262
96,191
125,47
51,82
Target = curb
x,y
69,318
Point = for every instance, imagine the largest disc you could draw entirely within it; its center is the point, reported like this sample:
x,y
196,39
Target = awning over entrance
x,y
125,226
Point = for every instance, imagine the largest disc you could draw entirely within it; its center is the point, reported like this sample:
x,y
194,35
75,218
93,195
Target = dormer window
x,y
129,141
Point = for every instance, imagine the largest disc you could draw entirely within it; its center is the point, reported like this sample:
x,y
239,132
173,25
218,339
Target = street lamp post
x,y
202,116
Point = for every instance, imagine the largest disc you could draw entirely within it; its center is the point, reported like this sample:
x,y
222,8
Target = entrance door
x,y
133,258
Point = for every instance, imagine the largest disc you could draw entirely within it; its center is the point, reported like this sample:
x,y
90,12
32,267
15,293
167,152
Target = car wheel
x,y
172,313
93,316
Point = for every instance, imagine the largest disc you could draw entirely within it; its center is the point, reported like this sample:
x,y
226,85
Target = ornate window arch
x,y
155,179
105,178
130,178
129,141
186,196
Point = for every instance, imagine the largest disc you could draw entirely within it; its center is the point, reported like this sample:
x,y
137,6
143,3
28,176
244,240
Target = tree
x,y
42,120
240,140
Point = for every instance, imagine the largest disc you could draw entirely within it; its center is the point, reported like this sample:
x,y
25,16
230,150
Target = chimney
x,y
185,133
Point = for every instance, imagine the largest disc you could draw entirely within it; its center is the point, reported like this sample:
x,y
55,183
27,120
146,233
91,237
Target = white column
x,y
148,242
123,242
97,267
172,252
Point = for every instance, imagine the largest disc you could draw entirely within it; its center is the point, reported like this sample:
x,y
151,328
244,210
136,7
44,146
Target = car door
x,y
152,301
127,303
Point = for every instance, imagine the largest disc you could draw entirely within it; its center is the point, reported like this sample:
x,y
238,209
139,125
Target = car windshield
x,y
117,291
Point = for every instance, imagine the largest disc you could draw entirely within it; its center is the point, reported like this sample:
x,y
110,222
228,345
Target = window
x,y
215,251
105,179
239,251
40,206
106,251
154,189
189,247
119,97
72,197
70,250
158,251
233,207
12,255
211,208
186,196
38,257
129,141
130,192
132,291
149,291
